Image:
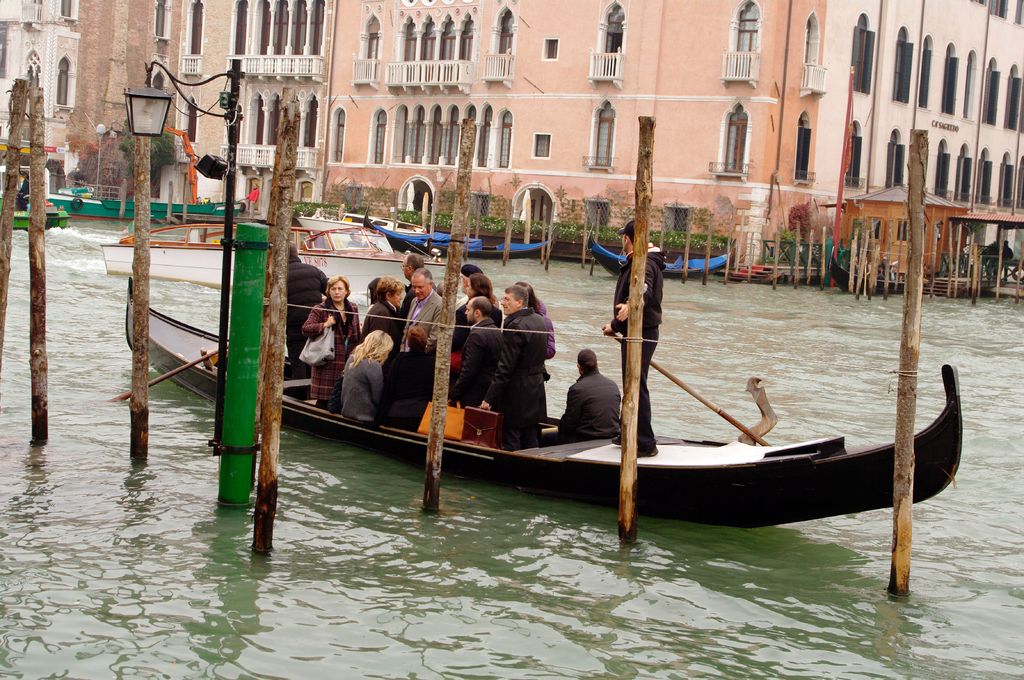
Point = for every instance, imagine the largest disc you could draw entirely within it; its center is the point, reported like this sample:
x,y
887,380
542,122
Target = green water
x,y
109,569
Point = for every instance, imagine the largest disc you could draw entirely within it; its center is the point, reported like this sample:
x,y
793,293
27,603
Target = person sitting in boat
x,y
425,311
386,292
21,199
409,384
517,389
480,354
476,284
536,305
307,286
592,405
340,313
410,263
363,386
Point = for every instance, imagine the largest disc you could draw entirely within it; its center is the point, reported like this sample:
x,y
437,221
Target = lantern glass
x,y
147,111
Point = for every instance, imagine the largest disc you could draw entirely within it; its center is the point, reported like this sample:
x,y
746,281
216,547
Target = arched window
x,y
991,92
261,119
483,147
448,40
65,8
963,175
34,69
863,55
451,152
942,170
436,131
196,28
241,25
505,149
811,40
379,133
312,114
409,42
853,169
506,32
63,81
427,40
466,40
803,148
160,19
984,178
1013,99
1006,182
969,84
158,81
316,28
275,119
949,81
614,32
419,135
747,38
736,141
339,135
926,73
373,39
192,120
265,27
281,26
398,142
903,68
299,27
894,155
471,114
604,136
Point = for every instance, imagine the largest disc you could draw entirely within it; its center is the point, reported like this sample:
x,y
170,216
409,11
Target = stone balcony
x,y
262,156
606,67
365,71
741,67
32,12
499,68
427,75
191,64
281,66
813,80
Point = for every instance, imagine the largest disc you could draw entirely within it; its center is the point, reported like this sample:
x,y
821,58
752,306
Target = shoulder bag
x,y
320,349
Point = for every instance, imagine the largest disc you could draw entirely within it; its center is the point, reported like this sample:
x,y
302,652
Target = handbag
x,y
483,428
320,349
452,424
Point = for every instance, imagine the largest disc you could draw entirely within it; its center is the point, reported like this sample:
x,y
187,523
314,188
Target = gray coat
x,y
429,318
362,390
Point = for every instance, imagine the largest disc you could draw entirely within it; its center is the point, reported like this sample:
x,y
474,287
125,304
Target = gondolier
x,y
653,284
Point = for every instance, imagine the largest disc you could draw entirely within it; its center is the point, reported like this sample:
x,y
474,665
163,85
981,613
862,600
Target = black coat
x,y
461,331
306,287
591,409
517,389
393,325
653,284
480,357
408,387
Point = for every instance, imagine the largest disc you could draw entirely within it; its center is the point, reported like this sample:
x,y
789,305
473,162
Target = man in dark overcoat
x,y
410,263
480,354
592,405
517,389
307,286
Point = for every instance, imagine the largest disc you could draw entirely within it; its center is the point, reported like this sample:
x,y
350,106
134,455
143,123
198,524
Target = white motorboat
x,y
319,220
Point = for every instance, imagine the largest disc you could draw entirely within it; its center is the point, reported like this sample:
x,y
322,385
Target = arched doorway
x,y
414,192
541,204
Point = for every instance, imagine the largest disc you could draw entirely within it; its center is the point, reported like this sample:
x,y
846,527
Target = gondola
x,y
423,243
724,484
613,262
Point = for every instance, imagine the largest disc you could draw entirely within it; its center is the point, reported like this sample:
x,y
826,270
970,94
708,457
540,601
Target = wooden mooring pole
x,y
795,262
508,230
729,245
37,268
275,319
810,254
138,404
851,285
999,262
686,249
775,262
634,347
824,255
16,123
906,396
442,363
707,250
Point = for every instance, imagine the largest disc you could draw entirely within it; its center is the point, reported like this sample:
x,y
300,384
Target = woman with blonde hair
x,y
340,313
363,385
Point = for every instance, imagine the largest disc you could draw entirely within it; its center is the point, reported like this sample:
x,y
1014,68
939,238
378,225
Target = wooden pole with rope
x,y
38,362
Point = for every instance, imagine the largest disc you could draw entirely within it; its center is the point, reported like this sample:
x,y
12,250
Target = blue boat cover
x,y
441,238
693,265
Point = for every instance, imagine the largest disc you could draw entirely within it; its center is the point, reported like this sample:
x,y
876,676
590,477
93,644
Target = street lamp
x,y
147,114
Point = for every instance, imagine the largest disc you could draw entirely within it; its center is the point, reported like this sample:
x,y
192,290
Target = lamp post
x,y
147,113
101,130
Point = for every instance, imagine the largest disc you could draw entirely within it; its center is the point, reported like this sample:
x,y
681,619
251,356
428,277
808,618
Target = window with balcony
x,y
742,61
895,152
853,178
903,68
604,137
942,170
316,27
241,25
615,31
748,29
339,135
542,145
448,40
274,119
299,27
280,37
484,138
863,55
466,40
969,84
380,131
734,148
266,26
506,33
64,82
811,40
427,40
926,73
963,175
160,19
409,42
505,147
1013,99
803,150
991,93
372,50
257,133
195,40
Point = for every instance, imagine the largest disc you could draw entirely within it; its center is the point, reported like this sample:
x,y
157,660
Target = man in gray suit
x,y
425,309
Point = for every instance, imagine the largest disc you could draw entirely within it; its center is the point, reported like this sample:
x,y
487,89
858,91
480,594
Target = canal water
x,y
114,569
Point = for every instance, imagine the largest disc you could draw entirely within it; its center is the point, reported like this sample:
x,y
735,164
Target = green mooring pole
x,y
238,442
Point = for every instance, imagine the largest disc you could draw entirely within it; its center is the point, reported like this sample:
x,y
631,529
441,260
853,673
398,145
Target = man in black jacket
x,y
480,354
592,405
517,389
410,263
307,286
653,284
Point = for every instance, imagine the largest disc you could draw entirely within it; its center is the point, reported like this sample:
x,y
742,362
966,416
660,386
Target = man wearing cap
x,y
653,284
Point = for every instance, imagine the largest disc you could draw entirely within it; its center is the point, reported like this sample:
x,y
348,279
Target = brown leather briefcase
x,y
482,428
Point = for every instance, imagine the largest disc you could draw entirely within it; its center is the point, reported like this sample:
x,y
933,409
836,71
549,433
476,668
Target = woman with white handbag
x,y
337,317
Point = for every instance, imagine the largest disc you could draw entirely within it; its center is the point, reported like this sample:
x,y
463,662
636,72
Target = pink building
x,y
556,88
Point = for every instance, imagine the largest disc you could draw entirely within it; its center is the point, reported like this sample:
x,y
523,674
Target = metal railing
x,y
32,12
813,80
499,67
803,177
984,199
281,65
365,71
191,64
854,182
1005,201
941,193
741,67
731,169
598,162
430,74
606,66
962,196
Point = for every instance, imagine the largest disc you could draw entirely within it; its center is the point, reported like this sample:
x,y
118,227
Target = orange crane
x,y
190,174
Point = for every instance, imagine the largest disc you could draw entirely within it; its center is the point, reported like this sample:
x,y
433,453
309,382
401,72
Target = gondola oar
x,y
169,374
711,405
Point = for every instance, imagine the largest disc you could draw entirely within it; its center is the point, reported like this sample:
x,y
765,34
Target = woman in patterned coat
x,y
343,315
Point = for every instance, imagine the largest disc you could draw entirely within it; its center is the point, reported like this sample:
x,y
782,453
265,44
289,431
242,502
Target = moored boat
x,y
612,262
81,206
55,219
726,484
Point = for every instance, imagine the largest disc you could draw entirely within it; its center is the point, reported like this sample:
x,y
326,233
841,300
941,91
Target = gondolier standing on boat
x,y
653,284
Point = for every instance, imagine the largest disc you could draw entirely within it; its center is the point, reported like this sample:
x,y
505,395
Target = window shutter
x,y
986,178
993,98
949,86
908,60
1013,103
1008,184
857,38
897,171
803,151
869,53
926,72
855,157
890,163
965,179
